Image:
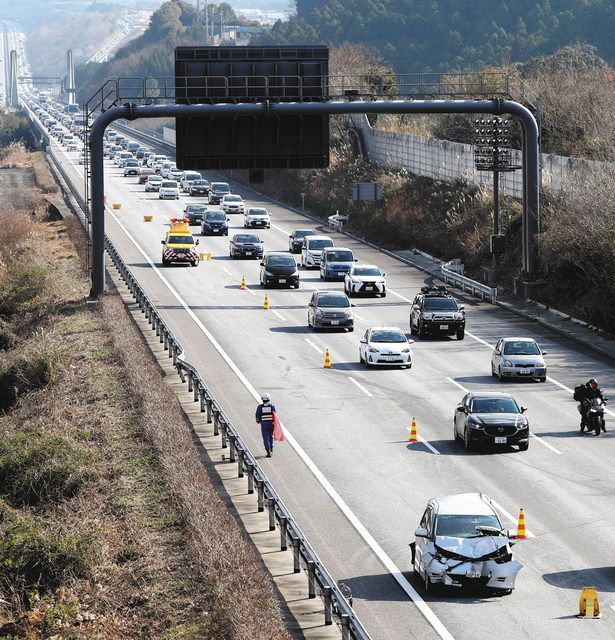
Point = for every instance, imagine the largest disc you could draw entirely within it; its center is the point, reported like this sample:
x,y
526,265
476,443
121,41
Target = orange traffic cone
x,y
327,360
521,533
413,435
243,283
266,303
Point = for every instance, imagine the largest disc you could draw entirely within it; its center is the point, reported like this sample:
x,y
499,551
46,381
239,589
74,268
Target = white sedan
x,y
518,358
365,279
232,203
168,189
385,346
254,217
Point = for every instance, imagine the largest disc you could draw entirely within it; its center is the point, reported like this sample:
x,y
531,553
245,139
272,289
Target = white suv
x,y
311,251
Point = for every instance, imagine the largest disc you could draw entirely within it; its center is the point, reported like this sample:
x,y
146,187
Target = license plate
x,y
390,358
525,372
340,273
248,253
335,321
500,440
215,230
282,280
473,574
369,288
443,327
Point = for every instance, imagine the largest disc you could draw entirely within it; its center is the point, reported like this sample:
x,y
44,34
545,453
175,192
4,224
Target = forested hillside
x,y
445,35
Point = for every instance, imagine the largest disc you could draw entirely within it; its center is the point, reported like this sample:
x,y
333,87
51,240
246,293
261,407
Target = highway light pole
x,y
531,176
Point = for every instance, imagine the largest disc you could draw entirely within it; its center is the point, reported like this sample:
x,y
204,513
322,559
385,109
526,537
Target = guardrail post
x,y
201,398
271,508
240,473
209,403
250,469
223,432
345,620
296,553
190,383
157,325
165,335
182,375
196,387
311,571
326,591
173,353
216,417
260,489
232,447
283,523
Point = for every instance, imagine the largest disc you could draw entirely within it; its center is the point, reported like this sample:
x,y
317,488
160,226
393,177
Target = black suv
x,y
435,311
279,267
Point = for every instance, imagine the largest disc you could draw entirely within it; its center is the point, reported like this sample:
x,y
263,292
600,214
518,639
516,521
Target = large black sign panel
x,y
213,75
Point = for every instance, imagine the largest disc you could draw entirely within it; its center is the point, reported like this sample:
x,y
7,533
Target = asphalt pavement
x,y
347,472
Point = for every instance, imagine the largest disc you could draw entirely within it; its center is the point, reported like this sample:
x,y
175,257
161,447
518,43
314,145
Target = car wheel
x,y
500,376
427,584
361,361
543,379
524,446
456,437
460,334
297,286
383,294
493,373
420,332
467,443
322,277
412,329
350,329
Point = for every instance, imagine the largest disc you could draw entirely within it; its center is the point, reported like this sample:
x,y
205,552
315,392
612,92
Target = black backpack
x,y
579,392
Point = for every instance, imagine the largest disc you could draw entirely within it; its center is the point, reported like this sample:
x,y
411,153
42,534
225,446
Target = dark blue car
x,y
214,223
247,245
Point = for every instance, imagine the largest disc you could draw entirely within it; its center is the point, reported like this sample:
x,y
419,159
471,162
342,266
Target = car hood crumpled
x,y
472,548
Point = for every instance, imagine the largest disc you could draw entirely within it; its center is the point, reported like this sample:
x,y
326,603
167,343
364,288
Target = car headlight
x,y
294,273
458,316
508,363
268,273
427,316
541,364
474,423
319,312
373,350
522,421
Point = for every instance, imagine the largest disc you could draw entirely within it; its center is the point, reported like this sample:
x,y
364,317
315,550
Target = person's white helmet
x,y
265,397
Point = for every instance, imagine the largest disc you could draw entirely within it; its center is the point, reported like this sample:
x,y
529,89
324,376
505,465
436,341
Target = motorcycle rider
x,y
264,417
588,392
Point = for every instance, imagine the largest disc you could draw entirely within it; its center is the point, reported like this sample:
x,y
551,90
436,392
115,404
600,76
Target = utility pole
x,y
207,21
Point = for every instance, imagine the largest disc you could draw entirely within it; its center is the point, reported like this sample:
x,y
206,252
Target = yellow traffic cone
x,y
243,283
209,256
521,532
327,360
266,303
413,435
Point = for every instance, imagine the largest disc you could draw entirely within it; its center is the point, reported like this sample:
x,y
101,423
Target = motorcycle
x,y
595,414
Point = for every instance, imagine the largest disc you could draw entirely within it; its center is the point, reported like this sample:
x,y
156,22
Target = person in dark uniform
x,y
585,393
264,417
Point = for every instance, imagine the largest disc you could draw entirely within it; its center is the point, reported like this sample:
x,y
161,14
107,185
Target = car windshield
x,y
221,188
494,405
232,199
154,179
132,163
191,208
169,184
199,183
521,348
258,212
215,216
281,261
464,526
319,244
440,304
247,238
301,233
384,335
366,271
339,256
333,301
180,240
192,177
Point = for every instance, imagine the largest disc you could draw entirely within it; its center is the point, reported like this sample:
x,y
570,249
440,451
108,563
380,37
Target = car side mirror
x,y
298,263
410,341
421,532
352,304
262,264
363,341
462,307
523,409
228,219
511,534
290,236
356,259
544,353
462,409
162,242
197,242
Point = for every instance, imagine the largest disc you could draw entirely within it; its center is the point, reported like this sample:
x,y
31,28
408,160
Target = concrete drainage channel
x,y
217,434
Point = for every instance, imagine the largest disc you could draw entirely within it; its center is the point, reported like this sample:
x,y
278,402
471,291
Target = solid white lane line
x,y
226,271
282,318
503,511
315,347
393,569
249,291
560,385
491,346
429,446
359,318
400,296
275,226
358,384
458,385
545,443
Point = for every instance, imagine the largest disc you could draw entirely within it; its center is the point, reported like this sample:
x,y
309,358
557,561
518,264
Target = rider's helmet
x,y
592,384
265,397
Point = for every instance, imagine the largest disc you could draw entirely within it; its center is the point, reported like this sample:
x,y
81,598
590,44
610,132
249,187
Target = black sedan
x,y
295,239
279,268
247,245
194,213
199,188
491,418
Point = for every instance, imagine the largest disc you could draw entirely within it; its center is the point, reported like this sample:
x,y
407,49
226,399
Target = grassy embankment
x,y
109,524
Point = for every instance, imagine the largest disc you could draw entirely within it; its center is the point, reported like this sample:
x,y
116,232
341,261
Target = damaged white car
x,y
460,543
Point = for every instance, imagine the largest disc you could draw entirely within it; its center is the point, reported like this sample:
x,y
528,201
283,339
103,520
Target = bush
x,y
36,557
21,288
27,373
38,468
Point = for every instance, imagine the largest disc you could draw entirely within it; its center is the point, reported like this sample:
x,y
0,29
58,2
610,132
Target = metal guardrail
x,y
467,284
320,581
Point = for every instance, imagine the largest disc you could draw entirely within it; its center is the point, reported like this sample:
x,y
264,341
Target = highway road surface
x,y
347,473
